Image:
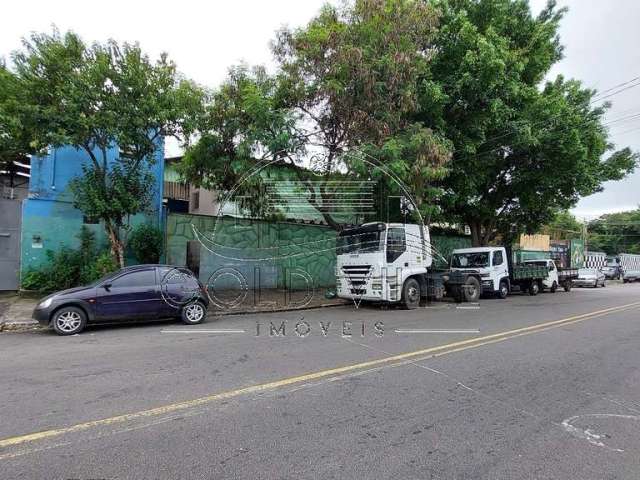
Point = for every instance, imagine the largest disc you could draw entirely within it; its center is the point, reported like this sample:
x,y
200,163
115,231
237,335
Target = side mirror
x,y
551,268
106,286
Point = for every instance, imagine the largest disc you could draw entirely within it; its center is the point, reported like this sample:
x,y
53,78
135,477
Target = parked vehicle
x,y
590,277
392,263
498,272
133,293
630,267
557,277
595,260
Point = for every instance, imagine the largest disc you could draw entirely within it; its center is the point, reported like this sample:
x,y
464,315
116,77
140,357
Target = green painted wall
x,y
272,247
244,245
443,245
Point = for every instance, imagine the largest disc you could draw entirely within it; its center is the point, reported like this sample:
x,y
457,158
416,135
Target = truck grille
x,y
357,276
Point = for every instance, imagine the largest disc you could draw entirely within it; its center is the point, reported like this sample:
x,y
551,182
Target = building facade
x,y
49,219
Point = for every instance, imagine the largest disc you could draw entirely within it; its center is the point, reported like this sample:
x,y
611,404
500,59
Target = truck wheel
x,y
567,286
471,289
411,294
503,290
534,288
554,287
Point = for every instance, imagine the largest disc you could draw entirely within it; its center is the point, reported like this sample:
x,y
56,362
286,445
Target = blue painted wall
x,y
49,220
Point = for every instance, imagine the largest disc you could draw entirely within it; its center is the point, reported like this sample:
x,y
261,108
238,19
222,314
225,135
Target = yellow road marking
x,y
430,352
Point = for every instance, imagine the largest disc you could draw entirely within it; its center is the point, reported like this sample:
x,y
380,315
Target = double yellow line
x,y
416,355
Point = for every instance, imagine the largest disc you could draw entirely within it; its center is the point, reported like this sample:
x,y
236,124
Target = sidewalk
x,y
16,309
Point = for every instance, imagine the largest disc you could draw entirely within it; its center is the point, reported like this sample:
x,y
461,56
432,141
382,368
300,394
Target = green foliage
x,y
615,233
521,152
245,124
564,226
67,267
95,98
15,142
346,88
145,241
125,190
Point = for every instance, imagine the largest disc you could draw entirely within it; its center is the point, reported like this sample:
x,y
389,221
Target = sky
x,y
601,40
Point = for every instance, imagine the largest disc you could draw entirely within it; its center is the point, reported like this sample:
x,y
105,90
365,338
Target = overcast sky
x,y
601,39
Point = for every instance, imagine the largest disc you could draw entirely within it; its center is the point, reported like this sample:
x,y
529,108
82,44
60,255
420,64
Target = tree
x,y
563,226
346,87
15,141
521,152
96,98
615,233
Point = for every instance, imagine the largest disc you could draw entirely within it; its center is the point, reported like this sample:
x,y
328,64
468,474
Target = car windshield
x,y
586,272
360,240
472,259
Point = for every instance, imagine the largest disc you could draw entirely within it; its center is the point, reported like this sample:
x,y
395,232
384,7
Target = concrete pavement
x,y
543,400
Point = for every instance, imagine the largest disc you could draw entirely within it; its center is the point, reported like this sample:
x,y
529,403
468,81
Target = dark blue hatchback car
x,y
134,293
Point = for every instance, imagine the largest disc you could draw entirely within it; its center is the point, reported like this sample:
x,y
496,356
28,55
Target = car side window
x,y
141,278
497,258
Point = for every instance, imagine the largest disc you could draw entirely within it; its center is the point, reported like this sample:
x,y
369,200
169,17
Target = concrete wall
x,y
277,250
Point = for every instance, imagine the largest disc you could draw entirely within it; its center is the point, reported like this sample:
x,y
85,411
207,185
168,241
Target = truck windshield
x,y
473,259
359,240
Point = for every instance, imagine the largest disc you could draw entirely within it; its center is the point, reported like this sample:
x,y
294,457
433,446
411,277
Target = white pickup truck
x,y
556,277
499,275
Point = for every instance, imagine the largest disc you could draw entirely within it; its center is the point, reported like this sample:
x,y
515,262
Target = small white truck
x,y
499,275
392,263
556,277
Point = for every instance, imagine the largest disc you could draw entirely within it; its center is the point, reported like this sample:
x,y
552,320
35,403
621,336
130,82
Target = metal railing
x,y
176,190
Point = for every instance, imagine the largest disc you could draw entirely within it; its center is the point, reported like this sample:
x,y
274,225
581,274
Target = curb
x,y
23,326
276,310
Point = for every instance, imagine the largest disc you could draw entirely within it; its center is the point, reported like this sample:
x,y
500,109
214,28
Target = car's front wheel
x,y
193,313
69,320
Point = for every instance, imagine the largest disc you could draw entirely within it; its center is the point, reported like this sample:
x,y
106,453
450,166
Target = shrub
x,y
69,268
145,243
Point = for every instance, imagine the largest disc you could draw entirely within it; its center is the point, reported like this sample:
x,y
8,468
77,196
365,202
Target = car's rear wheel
x,y
534,288
69,320
567,286
193,313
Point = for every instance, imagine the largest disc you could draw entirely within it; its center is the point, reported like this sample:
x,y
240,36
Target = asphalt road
x,y
530,387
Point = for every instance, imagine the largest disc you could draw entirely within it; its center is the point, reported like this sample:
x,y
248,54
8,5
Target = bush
x,y
145,243
69,268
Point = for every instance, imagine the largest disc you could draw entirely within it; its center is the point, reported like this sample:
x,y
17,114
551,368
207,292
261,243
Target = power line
x,y
617,86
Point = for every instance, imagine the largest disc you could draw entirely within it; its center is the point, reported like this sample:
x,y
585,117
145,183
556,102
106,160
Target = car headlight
x,y
46,303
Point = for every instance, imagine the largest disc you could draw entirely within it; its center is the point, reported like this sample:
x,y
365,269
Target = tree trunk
x,y
481,233
476,233
117,248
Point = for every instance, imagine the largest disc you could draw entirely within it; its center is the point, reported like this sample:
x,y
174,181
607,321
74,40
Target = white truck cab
x,y
552,281
489,262
374,261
